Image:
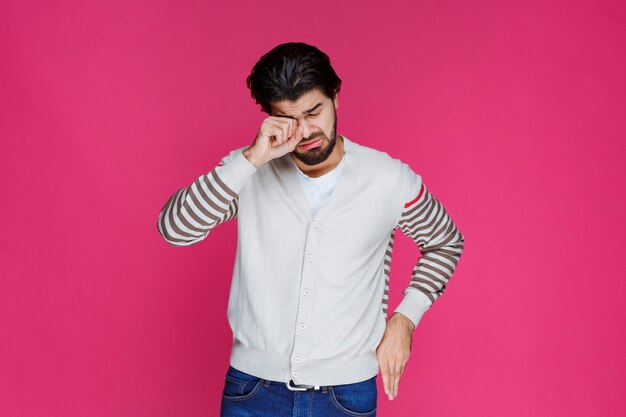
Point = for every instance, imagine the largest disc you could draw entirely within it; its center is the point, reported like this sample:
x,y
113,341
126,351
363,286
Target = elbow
x,y
460,244
165,231
181,242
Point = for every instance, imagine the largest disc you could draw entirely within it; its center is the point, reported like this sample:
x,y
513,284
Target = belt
x,y
300,387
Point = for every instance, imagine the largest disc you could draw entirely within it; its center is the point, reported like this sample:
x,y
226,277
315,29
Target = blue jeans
x,y
245,395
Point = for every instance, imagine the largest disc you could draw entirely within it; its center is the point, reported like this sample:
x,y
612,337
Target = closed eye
x,y
312,114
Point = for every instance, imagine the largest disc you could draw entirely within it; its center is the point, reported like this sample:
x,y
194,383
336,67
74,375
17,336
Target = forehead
x,y
307,101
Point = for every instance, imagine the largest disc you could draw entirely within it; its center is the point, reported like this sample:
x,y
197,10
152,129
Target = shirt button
x,y
295,373
298,359
314,223
309,257
302,325
307,291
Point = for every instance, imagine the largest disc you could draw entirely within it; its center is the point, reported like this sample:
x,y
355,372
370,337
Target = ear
x,y
336,100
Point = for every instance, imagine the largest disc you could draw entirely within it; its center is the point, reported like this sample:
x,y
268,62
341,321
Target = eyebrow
x,y
311,110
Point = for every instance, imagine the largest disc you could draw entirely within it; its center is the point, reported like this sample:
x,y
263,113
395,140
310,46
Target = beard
x,y
320,154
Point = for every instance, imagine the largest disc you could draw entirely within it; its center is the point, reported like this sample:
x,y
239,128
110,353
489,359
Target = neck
x,y
328,165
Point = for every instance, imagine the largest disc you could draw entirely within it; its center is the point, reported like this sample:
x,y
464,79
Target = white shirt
x,y
318,190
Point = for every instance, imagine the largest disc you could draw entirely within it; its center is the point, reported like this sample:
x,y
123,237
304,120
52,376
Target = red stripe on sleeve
x,y
416,198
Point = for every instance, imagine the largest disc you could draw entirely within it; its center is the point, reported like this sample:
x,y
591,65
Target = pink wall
x,y
512,112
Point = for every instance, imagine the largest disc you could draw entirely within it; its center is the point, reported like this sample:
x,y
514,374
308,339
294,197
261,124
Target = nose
x,y
308,129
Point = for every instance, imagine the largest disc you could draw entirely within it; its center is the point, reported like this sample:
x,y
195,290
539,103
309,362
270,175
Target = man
x,y
317,214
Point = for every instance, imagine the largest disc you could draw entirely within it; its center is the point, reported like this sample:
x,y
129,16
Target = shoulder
x,y
392,170
378,159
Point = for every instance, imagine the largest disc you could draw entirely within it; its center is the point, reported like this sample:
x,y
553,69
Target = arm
x,y
192,212
425,220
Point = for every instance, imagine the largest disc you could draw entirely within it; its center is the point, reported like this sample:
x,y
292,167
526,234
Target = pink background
x,y
512,112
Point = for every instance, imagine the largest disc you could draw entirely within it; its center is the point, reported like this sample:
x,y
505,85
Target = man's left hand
x,y
393,351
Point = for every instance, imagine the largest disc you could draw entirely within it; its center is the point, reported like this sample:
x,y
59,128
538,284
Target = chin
x,y
316,156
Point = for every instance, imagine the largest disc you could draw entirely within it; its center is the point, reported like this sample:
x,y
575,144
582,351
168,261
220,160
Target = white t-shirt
x,y
318,190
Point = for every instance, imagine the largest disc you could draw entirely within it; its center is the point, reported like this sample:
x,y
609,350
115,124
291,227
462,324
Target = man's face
x,y
317,113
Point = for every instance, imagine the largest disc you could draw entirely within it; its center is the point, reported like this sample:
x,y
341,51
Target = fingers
x,y
292,142
384,371
278,128
277,136
285,128
276,132
393,383
396,383
391,371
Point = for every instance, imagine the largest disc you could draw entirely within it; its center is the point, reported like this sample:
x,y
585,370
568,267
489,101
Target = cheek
x,y
327,127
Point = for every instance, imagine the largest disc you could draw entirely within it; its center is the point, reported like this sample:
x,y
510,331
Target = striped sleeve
x,y
192,212
426,222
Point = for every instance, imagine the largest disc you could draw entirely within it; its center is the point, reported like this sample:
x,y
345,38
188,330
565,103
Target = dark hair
x,y
290,70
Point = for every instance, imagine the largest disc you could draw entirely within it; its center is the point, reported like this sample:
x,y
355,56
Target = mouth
x,y
310,144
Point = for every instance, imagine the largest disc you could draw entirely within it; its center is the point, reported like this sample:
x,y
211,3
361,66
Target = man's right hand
x,y
276,137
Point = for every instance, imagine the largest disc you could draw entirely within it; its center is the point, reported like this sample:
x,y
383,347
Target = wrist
x,y
408,322
249,155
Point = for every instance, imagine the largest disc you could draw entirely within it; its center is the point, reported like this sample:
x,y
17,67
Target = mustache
x,y
314,136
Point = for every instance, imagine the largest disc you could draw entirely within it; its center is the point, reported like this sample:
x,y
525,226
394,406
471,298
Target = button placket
x,y
305,306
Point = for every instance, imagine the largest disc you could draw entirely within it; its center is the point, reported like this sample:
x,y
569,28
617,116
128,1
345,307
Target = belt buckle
x,y
300,387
